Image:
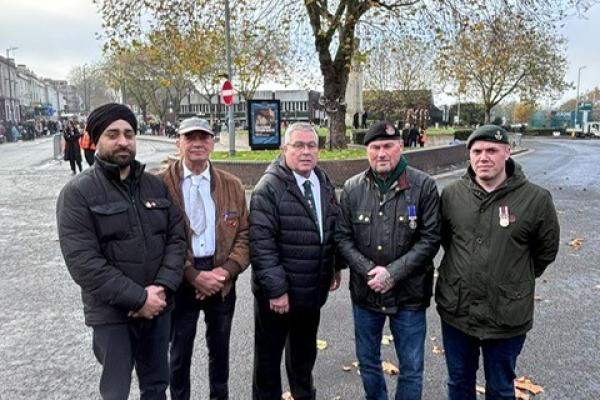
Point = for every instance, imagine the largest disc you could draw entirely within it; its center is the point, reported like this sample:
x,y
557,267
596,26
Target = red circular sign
x,y
227,93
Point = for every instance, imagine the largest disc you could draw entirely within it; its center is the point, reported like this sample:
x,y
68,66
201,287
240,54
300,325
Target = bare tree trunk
x,y
334,93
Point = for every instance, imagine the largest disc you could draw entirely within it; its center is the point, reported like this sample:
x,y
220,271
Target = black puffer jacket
x,y
286,252
116,243
375,229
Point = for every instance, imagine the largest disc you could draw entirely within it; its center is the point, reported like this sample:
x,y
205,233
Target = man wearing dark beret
x,y
499,233
123,242
389,233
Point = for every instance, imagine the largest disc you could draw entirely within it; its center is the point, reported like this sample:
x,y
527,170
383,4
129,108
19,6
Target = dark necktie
x,y
310,199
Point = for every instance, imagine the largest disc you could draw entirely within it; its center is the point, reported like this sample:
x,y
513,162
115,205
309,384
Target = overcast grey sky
x,y
54,36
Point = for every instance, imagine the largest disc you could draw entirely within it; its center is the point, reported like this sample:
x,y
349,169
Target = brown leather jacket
x,y
231,238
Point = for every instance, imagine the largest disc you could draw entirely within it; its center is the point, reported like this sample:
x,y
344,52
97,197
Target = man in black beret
x,y
124,243
388,234
499,233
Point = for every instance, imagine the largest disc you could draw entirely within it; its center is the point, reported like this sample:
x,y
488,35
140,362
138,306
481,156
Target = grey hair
x,y
299,127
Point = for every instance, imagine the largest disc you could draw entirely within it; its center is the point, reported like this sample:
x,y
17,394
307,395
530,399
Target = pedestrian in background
x,y
422,136
413,136
388,234
72,150
123,242
293,212
214,203
89,148
499,233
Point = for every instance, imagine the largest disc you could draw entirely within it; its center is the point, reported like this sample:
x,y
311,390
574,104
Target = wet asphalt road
x,y
45,349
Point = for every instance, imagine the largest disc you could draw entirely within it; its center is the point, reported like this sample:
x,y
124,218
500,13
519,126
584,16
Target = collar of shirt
x,y
301,179
187,173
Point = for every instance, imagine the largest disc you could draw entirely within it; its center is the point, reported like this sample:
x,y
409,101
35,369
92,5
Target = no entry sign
x,y
227,93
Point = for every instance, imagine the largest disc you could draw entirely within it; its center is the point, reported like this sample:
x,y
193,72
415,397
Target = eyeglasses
x,y
302,145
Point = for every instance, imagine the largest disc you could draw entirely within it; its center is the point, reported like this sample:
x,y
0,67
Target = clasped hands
x,y
381,281
209,283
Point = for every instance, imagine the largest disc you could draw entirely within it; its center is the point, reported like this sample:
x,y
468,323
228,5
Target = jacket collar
x,y
113,172
402,183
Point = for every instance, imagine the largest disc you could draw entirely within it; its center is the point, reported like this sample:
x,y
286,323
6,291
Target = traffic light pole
x,y
231,124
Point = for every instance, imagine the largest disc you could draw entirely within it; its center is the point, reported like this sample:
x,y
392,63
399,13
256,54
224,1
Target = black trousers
x,y
218,315
142,344
296,331
72,164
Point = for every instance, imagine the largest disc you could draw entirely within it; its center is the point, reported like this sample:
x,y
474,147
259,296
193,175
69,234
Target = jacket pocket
x,y
361,221
112,220
158,214
447,294
515,304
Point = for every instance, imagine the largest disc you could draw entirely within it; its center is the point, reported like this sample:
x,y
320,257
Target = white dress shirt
x,y
316,189
202,245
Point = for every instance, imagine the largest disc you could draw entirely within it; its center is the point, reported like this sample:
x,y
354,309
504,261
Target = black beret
x,y
381,130
488,133
101,117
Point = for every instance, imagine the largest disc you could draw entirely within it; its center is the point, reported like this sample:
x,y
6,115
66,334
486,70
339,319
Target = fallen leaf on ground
x,y
576,243
480,389
387,340
346,368
390,368
538,298
355,364
433,338
437,350
524,383
321,344
521,395
286,396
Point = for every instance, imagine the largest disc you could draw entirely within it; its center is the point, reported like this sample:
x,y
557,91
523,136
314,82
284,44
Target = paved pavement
x,y
45,349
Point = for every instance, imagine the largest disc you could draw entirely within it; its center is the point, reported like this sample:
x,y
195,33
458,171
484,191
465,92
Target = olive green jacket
x,y
487,276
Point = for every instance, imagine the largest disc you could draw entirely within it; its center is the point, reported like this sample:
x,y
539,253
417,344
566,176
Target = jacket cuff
x,y
190,273
140,301
232,267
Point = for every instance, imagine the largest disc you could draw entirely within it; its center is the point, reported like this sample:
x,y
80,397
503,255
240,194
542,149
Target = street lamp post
x,y
577,98
10,93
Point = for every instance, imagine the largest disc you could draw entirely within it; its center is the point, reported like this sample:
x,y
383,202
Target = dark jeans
x,y
408,329
141,343
218,314
296,331
462,360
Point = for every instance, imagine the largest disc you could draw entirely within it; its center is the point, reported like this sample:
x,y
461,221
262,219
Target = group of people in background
x,y
413,136
28,130
151,253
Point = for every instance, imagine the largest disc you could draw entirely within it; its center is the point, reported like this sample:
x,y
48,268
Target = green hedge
x,y
462,134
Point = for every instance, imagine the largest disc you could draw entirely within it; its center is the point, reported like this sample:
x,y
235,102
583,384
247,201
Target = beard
x,y
120,160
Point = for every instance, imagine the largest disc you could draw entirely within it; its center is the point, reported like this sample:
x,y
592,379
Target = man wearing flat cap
x,y
499,233
216,220
389,233
123,242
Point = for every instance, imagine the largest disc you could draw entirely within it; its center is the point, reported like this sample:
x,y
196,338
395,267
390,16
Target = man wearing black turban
x,y
124,243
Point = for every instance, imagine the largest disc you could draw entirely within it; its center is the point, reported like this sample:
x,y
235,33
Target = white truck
x,y
590,129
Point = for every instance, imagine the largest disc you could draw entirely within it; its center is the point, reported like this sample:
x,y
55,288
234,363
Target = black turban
x,y
101,117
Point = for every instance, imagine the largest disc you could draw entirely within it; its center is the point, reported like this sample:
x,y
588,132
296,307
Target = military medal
x,y
504,216
412,216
